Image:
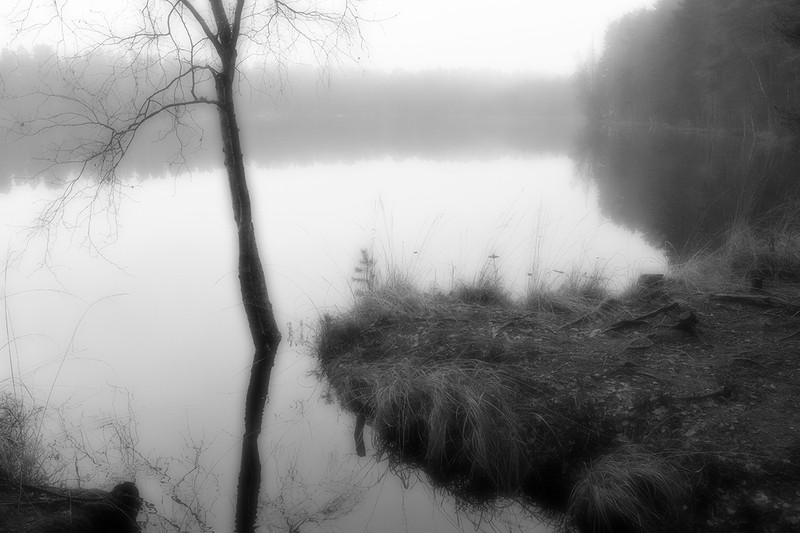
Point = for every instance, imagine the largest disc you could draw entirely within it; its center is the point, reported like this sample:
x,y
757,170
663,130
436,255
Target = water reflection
x,y
155,309
280,141
146,301
682,191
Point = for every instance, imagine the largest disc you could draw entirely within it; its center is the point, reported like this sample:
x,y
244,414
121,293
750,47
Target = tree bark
x,y
255,297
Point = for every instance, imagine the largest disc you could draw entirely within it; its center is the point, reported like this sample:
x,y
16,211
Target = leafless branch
x,y
165,64
203,24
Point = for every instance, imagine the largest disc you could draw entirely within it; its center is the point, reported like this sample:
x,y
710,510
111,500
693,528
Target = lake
x,y
128,326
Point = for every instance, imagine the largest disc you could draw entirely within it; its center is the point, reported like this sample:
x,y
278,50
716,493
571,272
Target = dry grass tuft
x,y
572,399
21,449
577,293
629,491
455,420
400,297
767,249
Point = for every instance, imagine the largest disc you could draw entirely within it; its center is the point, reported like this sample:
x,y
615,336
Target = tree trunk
x,y
255,298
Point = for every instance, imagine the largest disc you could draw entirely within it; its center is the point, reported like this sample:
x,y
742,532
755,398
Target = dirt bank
x,y
669,410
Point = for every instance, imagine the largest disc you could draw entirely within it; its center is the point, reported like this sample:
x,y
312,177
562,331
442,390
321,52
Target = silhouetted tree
x,y
181,54
712,64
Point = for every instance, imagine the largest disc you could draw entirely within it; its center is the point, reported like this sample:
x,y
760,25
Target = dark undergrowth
x,y
23,455
639,412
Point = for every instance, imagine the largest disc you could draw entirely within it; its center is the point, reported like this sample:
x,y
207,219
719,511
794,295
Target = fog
x,y
306,116
522,139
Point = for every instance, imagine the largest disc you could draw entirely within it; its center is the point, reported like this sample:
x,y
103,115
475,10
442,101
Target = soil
x,y
710,381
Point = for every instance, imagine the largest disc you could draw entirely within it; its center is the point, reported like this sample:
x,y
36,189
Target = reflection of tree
x,y
95,451
183,482
682,191
175,56
300,503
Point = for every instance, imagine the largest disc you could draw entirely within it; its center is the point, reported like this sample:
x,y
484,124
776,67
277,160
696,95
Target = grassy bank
x,y
753,255
672,407
23,455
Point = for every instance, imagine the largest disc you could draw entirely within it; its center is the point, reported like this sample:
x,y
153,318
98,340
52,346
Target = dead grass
x,y
606,410
632,412
483,293
22,452
455,420
578,293
753,253
629,490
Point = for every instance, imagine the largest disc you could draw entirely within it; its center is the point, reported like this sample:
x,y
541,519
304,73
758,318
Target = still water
x,y
681,191
129,329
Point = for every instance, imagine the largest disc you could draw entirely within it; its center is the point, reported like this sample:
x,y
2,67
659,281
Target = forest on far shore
x,y
708,64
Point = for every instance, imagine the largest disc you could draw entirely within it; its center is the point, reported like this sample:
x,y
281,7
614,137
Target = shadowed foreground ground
x,y
28,509
668,410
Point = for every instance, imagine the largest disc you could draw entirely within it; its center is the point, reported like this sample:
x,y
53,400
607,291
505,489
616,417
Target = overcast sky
x,y
544,36
509,35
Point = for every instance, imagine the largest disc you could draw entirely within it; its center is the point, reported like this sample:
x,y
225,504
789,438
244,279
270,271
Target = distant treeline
x,y
441,92
298,90
286,114
710,64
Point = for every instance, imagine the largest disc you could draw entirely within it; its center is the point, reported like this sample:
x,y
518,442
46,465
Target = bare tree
x,y
168,57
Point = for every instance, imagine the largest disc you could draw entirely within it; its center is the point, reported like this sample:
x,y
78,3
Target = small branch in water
x,y
358,434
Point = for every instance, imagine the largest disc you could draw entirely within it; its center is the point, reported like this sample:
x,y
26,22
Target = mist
x,y
300,116
532,271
